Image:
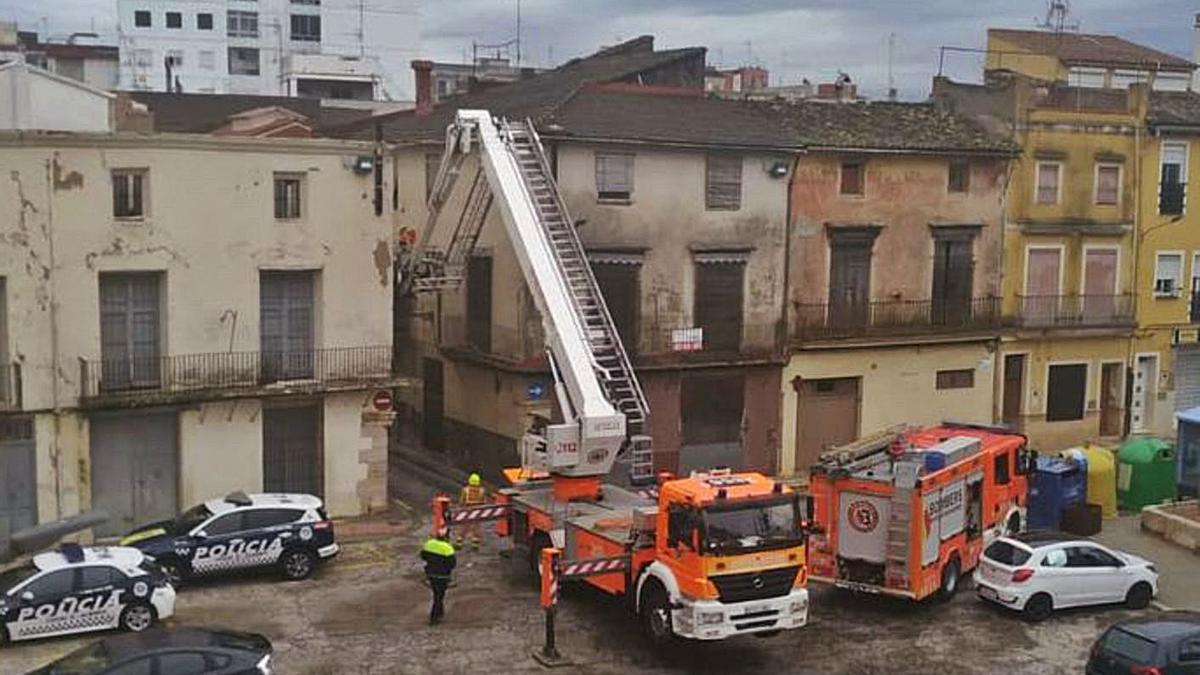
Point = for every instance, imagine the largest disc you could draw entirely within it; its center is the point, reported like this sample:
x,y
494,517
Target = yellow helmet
x,y
473,480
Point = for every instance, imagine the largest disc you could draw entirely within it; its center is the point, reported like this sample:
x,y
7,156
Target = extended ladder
x,y
614,369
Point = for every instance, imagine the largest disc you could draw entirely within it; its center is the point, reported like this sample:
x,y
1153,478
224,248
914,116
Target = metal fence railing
x,y
820,321
231,370
1066,311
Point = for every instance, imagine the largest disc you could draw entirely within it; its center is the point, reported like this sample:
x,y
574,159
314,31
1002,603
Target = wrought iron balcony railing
x,y
886,318
232,371
1076,311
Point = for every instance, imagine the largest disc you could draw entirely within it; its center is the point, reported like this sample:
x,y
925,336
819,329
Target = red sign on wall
x,y
382,400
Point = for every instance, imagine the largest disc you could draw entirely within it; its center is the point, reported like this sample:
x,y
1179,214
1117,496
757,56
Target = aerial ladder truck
x,y
708,556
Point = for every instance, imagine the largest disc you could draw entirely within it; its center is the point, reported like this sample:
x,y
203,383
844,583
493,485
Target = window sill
x,y
1167,296
609,201
852,195
130,220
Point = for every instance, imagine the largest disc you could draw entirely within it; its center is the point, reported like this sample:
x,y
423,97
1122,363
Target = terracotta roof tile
x,y
1089,49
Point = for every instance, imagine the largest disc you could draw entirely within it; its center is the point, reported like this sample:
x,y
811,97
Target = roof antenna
x,y
891,57
1058,14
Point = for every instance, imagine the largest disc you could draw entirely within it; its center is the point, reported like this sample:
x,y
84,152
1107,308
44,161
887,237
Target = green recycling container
x,y
1145,473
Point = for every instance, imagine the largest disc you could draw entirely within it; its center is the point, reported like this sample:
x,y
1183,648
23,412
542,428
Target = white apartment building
x,y
332,49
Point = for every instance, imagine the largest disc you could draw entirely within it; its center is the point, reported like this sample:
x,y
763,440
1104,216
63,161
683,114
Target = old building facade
x,y
188,315
894,276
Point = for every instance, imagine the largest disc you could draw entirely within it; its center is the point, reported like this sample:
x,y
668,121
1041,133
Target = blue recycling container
x,y
1056,484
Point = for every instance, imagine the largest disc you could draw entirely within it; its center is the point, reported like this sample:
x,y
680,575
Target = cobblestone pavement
x,y
366,613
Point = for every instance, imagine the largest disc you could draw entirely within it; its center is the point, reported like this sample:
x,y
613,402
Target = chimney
x,y
423,75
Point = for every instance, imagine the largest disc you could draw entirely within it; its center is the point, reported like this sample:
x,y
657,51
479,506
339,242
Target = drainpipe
x,y
1137,263
787,260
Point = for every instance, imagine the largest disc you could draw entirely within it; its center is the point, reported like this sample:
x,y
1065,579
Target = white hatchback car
x,y
1039,572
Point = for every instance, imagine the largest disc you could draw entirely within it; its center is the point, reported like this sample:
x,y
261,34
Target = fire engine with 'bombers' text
x,y
907,512
706,557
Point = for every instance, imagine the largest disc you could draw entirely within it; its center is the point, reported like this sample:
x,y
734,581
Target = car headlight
x,y
798,606
264,665
710,618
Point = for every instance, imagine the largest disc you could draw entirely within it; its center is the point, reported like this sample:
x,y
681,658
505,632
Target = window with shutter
x,y
959,176
852,182
1168,275
128,187
1108,184
1172,189
614,176
723,183
286,324
1047,182
129,330
288,193
718,306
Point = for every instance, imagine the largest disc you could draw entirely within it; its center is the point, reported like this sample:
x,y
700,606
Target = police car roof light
x,y
238,498
72,552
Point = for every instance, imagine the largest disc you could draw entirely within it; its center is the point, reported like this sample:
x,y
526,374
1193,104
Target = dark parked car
x,y
1160,644
159,651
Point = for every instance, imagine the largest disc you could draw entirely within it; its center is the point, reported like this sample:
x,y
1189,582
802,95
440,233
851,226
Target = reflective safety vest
x,y
473,494
438,547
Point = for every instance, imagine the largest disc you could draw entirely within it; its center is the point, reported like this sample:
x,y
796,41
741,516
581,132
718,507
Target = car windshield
x,y
91,659
12,578
1133,647
741,528
191,519
1006,554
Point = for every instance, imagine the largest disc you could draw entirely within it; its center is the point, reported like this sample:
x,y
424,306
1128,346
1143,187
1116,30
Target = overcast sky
x,y
792,38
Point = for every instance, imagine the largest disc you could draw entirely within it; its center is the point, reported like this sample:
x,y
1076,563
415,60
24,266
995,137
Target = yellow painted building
x,y
1166,345
1075,271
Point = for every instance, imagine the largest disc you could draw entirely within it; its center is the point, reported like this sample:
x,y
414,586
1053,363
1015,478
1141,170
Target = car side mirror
x,y
201,535
27,596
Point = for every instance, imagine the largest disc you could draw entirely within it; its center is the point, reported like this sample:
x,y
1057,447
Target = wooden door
x,y
953,271
1042,284
1014,389
849,284
1099,285
1110,399
827,413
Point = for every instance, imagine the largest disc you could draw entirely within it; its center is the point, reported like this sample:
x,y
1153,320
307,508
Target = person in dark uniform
x,y
438,555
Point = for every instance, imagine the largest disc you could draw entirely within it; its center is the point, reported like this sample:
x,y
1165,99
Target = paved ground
x,y
366,613
1177,585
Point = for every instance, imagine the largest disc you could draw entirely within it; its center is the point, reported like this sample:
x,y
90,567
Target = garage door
x,y
1187,377
135,469
18,479
711,414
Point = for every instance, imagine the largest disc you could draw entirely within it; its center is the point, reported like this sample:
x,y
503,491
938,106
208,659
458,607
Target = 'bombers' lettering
x,y
71,606
239,547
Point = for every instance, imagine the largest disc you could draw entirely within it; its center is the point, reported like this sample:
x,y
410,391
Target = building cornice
x,y
305,146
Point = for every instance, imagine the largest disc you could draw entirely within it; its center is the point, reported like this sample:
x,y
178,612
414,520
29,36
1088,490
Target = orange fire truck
x,y
907,511
709,556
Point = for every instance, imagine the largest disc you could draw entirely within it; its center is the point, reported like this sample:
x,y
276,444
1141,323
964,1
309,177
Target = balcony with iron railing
x,y
10,386
222,375
877,319
1076,311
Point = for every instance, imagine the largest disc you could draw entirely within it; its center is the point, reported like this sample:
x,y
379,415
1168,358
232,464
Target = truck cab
x,y
729,559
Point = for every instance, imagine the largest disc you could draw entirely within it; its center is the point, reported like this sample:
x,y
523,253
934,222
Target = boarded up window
x,y
956,379
1065,392
619,284
960,176
711,409
852,178
1108,184
614,175
723,183
479,303
718,305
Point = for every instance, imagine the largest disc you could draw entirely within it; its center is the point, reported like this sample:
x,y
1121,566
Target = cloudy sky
x,y
793,38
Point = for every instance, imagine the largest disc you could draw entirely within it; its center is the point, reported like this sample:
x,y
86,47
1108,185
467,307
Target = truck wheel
x,y
1039,607
951,574
4,639
1139,596
656,615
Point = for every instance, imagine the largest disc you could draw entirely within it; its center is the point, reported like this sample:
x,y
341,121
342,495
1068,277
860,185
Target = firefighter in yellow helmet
x,y
473,494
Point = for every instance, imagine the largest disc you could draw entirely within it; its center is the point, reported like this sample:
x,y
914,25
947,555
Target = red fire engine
x,y
908,511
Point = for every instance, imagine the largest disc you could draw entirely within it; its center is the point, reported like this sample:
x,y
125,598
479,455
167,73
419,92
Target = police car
x,y
77,590
289,532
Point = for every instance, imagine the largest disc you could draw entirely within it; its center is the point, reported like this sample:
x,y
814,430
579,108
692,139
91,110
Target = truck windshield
x,y
753,526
